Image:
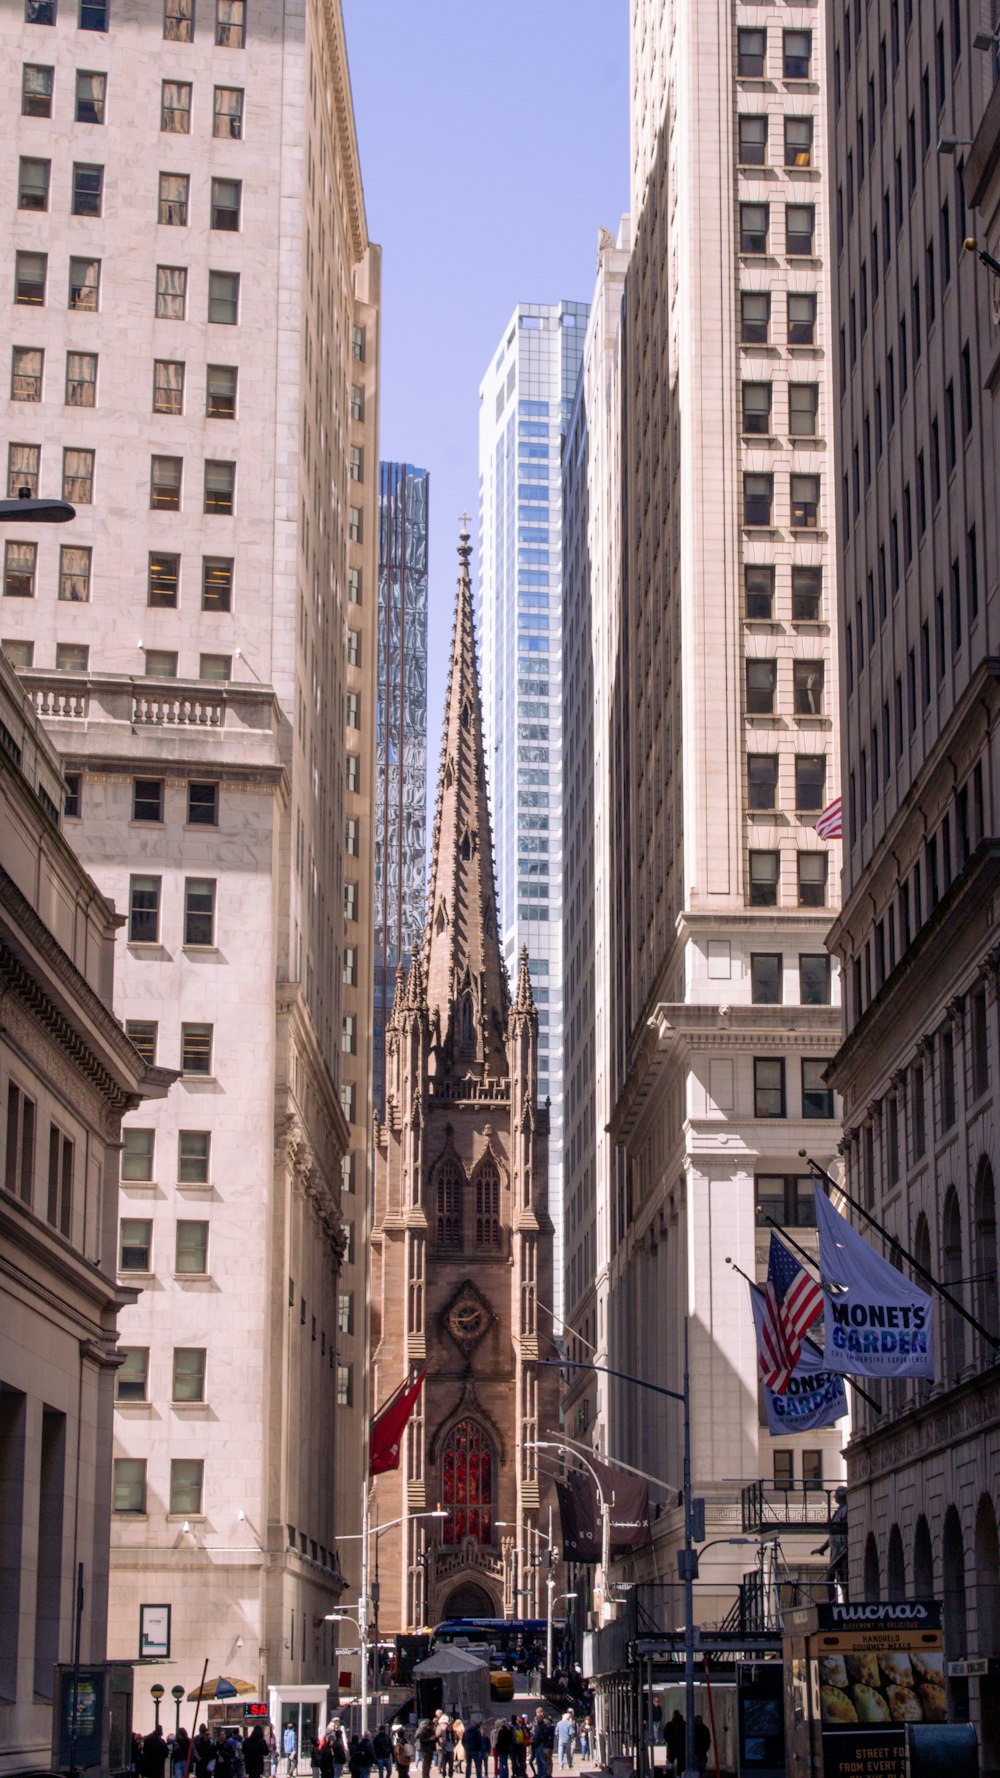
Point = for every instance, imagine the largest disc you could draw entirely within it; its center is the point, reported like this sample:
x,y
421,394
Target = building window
x,y
450,1185
93,15
358,344
137,1156
807,687
755,317
345,1312
29,277
757,408
347,1099
796,49
215,666
765,978
754,226
762,781
175,107
803,408
798,141
751,54
132,1376
817,1097
165,484
800,230
947,1077
352,767
807,593
226,199
19,1146
144,910
979,1029
36,90
135,1245
203,804
22,471
199,911
357,463
350,901
812,1469
801,319
33,184
189,1374
160,663
762,681
78,477
354,648
227,116
758,499
72,657
230,23
768,1086
810,781
163,579
753,141
467,1470
26,373
147,799
349,1034
814,980
168,386
186,1486
141,1034
85,284
191,1250
74,570
812,879
351,830
357,402
354,586
220,487
88,190
805,502
59,1209
352,705
171,292
129,1475
764,879
220,391
349,972
487,1183
173,201
786,1198
19,563
196,1049
73,798
81,379
193,1147
224,298
758,587
178,21
354,524
345,1385
217,583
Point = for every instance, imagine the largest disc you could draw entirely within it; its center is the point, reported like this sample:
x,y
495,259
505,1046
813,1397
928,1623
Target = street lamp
x,y
156,1693
553,1601
27,511
177,1693
361,1620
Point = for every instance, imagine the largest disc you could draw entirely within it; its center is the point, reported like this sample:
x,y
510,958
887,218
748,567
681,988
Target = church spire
x,y
465,978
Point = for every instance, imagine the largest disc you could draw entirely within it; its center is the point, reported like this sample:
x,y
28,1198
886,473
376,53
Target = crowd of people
x,y
517,1747
226,1753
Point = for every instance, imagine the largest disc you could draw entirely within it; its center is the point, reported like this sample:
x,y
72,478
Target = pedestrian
x,y
403,1753
675,1736
382,1749
179,1753
542,1743
289,1747
446,1748
702,1744
426,1745
272,1753
565,1738
338,1746
474,1742
503,1747
354,1757
519,1751
586,1738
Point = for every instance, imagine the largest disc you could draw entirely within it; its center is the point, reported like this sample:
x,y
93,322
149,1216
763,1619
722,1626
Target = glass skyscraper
x,y
525,400
400,737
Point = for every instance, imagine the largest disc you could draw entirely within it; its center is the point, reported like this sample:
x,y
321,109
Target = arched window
x,y
487,1181
951,1272
923,1561
896,1573
920,1386
953,1599
467,1024
985,1267
872,1578
988,1625
467,1484
450,1194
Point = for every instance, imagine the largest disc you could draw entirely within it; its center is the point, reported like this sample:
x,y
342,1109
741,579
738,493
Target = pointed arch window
x,y
467,1472
450,1194
467,1024
488,1206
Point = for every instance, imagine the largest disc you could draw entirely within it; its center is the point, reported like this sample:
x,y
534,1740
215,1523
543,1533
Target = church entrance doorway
x,y
469,1600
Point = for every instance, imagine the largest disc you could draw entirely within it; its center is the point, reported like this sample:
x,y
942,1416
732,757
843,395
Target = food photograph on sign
x,y
873,1687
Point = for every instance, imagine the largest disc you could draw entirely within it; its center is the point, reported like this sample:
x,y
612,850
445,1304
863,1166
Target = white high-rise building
x,y
524,404
717,706
191,325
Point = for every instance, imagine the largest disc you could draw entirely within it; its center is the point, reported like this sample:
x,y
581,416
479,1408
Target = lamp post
x,y
177,1693
365,1597
553,1601
27,511
156,1693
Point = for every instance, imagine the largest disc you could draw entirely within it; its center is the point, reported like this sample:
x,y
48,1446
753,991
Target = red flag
x,y
388,1428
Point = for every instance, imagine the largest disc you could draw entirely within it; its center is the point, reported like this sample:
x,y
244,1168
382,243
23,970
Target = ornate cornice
x,y
294,1151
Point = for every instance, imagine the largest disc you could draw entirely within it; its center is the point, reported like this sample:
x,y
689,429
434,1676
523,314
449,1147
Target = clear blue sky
x,y
494,143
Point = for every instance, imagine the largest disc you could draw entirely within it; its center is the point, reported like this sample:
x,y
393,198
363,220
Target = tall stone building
x,y
462,1247
915,132
191,325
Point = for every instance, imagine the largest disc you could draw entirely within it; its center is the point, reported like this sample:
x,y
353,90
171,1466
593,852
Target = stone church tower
x,y
462,1242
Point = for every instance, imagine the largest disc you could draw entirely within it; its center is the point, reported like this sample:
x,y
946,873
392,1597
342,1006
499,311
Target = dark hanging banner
x,y
579,1509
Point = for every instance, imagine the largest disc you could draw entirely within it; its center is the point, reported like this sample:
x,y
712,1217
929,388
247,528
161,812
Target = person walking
x,y
542,1742
179,1753
446,1748
382,1749
503,1746
426,1746
702,1743
675,1736
565,1738
338,1746
289,1747
475,1747
402,1753
255,1753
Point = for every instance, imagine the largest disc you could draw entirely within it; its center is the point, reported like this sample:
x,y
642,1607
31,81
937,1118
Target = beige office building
x,y
191,321
914,131
721,707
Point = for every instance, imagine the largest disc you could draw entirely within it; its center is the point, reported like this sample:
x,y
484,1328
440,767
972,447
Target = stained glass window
x,y
488,1205
467,1484
450,1186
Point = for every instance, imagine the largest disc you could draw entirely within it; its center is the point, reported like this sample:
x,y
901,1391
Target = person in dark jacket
x,y
382,1749
154,1753
675,1737
702,1743
255,1752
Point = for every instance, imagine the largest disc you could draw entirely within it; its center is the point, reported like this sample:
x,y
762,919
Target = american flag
x,y
830,826
792,1302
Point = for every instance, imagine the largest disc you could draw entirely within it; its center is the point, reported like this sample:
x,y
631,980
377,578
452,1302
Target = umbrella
x,y
223,1687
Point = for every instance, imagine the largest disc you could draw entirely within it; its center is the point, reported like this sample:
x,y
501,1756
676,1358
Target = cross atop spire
x,y
466,982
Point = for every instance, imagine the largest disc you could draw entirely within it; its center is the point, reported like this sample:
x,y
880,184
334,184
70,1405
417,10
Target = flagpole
x,y
809,1341
934,1283
363,1603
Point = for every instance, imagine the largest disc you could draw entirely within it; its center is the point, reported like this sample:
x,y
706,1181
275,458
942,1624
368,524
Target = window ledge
x,y
125,1512
798,441
794,259
127,1277
752,346
193,1185
800,349
200,950
805,531
148,948
811,173
187,1518
192,1277
199,1080
131,1407
189,1408
762,531
766,440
